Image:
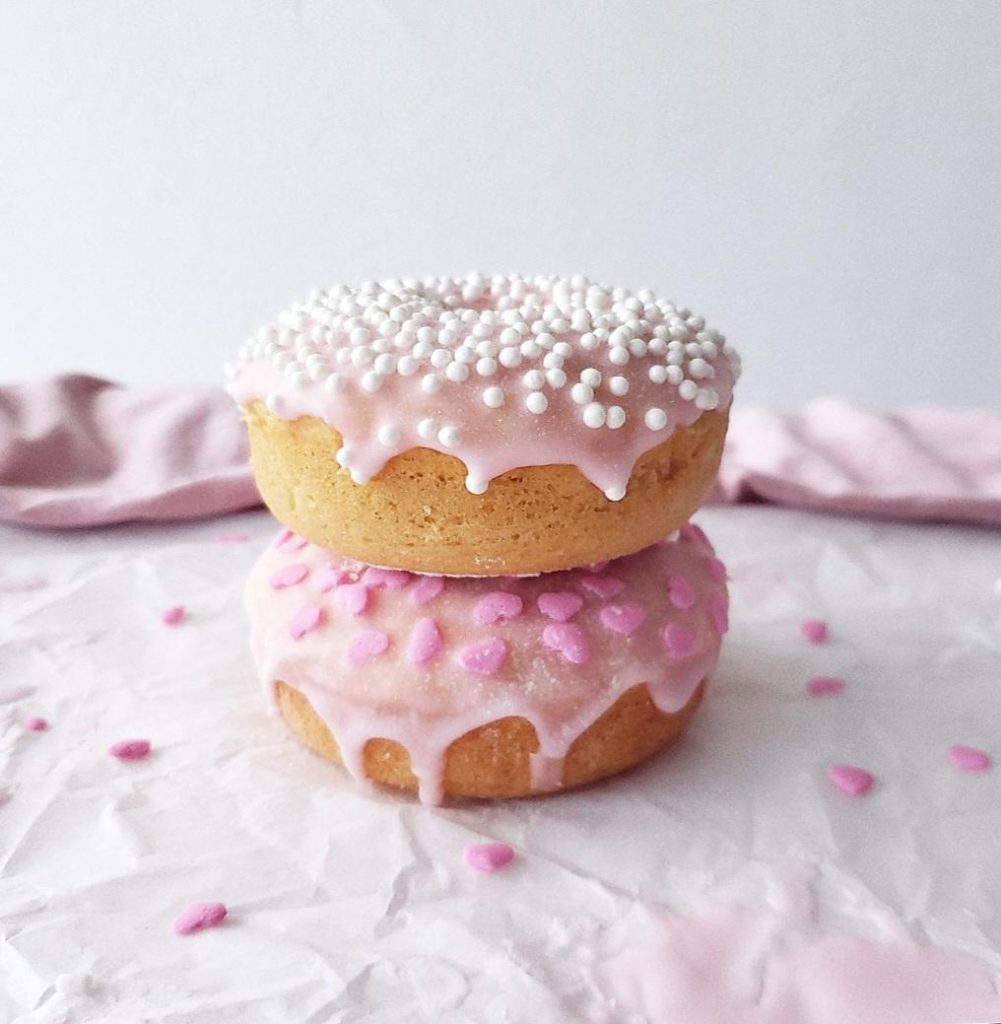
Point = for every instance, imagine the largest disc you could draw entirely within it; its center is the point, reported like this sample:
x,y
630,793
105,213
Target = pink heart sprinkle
x,y
426,589
352,597
678,641
969,759
824,686
288,576
328,578
603,586
294,543
691,532
389,579
173,615
130,750
425,641
484,657
36,724
369,644
680,592
561,606
487,857
497,605
569,640
231,537
717,571
598,567
814,630
719,611
198,917
850,779
283,536
623,618
306,619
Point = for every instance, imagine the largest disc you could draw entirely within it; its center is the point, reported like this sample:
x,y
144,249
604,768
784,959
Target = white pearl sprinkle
x,y
486,367
552,361
430,383
371,382
358,477
343,456
581,393
457,372
407,366
655,419
688,389
700,369
440,358
536,403
706,398
616,417
534,379
556,378
493,397
675,375
588,342
389,435
274,404
450,436
594,415
510,358
657,373
385,364
619,356
427,428
619,386
475,485
591,377
616,493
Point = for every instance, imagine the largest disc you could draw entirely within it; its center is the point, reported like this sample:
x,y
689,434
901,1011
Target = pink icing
x,y
483,657
569,640
603,586
679,641
850,779
288,575
814,631
717,570
969,759
130,750
426,589
427,706
561,606
36,724
623,618
487,857
365,646
304,621
495,606
425,642
352,597
447,383
719,609
680,592
173,615
328,578
391,579
198,917
823,686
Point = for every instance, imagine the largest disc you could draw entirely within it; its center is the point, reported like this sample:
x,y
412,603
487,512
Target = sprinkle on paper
x,y
487,857
198,917
173,615
969,759
130,750
850,779
36,724
231,537
825,686
814,631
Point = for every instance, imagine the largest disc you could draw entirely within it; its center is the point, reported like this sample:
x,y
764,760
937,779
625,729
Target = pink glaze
x,y
603,586
426,589
288,575
322,359
825,686
679,641
487,857
425,642
352,597
539,676
304,621
173,615
624,618
562,606
198,917
36,724
130,750
231,537
680,592
969,759
390,579
814,631
495,606
851,779
366,645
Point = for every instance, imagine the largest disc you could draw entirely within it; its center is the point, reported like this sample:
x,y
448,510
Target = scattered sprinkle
x,y
304,621
352,597
389,579
603,586
130,750
426,589
367,645
825,686
568,640
425,642
231,537
680,592
288,576
487,857
623,618
969,759
814,631
173,615
36,724
198,917
495,606
561,606
850,779
484,657
678,641
720,612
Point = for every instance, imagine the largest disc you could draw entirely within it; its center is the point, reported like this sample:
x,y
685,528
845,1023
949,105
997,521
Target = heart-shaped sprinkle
x,y
130,750
328,578
231,537
497,605
304,621
283,536
352,597
484,657
366,645
197,917
623,618
598,567
825,686
288,576
850,779
717,571
562,605
173,615
568,640
719,611
293,542
603,586
691,532
487,857
425,641
678,641
426,589
388,579
969,759
680,592
814,631
36,724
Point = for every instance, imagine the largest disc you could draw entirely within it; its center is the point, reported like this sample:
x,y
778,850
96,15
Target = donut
x,y
479,687
477,427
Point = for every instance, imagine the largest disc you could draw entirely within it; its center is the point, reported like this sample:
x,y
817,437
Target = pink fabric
x,y
79,451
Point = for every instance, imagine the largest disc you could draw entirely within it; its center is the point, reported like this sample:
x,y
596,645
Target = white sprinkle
x,y
619,356
509,336
616,493
700,369
594,415
427,428
657,373
580,320
486,367
440,358
450,437
358,477
359,336
619,386
588,342
655,419
371,382
510,357
343,456
333,384
457,372
274,404
389,435
493,397
675,375
475,485
464,355
706,398
582,394
487,349
530,350
537,403
693,349
428,335
385,364
361,356
688,389
637,347
556,378
430,383
298,380
534,379
552,361
407,366
616,417
591,377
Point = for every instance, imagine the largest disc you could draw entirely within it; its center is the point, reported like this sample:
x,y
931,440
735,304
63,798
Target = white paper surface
x,y
352,905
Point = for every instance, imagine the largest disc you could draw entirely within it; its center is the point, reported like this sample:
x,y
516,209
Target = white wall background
x,y
821,179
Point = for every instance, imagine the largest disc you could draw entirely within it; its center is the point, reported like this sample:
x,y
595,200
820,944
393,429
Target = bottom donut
x,y
487,687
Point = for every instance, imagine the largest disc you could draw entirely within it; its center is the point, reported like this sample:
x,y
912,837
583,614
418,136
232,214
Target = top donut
x,y
484,426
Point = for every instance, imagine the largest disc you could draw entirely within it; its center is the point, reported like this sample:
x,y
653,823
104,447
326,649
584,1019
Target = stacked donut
x,y
487,585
